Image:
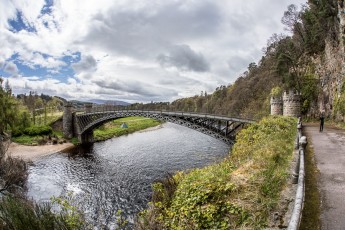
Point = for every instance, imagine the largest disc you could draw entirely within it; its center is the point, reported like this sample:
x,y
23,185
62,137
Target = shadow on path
x,y
329,150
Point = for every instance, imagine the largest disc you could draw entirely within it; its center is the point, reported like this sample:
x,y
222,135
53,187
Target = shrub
x,y
19,213
38,130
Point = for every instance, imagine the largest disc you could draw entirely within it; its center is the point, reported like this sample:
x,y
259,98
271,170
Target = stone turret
x,y
276,105
67,120
291,104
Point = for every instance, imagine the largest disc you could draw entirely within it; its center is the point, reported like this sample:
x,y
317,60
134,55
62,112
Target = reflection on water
x,y
118,173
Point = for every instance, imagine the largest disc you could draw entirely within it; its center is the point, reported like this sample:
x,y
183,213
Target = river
x,y
117,174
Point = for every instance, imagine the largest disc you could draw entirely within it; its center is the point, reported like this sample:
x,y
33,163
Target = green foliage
x,y
27,140
8,109
75,141
339,101
113,129
122,222
73,217
239,192
17,213
276,91
33,135
38,130
309,91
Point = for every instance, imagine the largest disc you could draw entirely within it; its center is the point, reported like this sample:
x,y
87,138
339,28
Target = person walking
x,y
322,121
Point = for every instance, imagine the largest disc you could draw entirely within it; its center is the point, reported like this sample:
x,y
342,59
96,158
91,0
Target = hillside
x,y
309,60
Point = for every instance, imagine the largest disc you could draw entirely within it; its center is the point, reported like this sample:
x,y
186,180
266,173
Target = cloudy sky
x,y
132,50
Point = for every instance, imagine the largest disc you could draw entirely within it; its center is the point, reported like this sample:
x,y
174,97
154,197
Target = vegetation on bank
x,y
38,135
19,213
240,192
114,129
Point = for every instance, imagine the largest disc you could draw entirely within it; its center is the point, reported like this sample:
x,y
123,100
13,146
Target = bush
x,y
13,174
38,130
19,213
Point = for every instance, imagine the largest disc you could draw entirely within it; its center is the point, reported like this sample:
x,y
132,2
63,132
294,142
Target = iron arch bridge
x,y
219,127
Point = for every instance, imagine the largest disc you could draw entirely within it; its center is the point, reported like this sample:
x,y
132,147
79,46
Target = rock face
x,y
331,71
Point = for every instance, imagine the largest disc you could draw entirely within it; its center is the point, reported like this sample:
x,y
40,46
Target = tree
x,y
13,171
7,108
293,21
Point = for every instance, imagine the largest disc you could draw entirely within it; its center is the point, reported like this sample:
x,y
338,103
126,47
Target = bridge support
x,y
86,138
67,121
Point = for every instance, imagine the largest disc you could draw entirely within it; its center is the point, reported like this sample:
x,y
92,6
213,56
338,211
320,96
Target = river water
x,y
117,174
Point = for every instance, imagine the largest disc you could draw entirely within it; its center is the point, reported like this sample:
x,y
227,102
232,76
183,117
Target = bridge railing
x,y
103,109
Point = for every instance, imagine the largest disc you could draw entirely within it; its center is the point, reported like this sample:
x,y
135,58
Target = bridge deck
x,y
220,127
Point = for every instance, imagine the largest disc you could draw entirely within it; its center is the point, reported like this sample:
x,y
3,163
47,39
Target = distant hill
x,y
80,104
109,102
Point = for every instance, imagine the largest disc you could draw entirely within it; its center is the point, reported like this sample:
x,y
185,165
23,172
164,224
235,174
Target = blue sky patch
x,y
20,23
46,9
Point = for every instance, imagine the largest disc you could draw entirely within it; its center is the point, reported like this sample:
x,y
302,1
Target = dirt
x,y
32,153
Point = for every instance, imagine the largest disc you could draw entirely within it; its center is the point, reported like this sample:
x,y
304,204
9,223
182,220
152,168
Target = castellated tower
x,y
291,104
276,106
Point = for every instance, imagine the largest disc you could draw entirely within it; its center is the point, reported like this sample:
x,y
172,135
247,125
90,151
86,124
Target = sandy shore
x,y
31,153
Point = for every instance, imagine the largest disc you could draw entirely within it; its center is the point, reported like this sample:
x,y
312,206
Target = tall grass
x,y
240,192
21,214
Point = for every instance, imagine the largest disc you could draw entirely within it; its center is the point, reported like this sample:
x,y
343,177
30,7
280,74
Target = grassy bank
x,y
240,192
113,129
38,135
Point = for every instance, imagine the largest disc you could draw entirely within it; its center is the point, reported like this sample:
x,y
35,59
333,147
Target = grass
x,y
311,211
241,192
113,129
19,213
51,117
28,140
38,139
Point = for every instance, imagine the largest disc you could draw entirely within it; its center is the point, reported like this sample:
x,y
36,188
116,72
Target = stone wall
x,y
276,106
291,104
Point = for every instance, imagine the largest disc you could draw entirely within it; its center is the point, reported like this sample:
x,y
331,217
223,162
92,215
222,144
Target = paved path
x,y
329,148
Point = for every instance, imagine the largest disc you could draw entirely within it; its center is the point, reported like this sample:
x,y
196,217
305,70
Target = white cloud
x,y
86,64
11,68
140,48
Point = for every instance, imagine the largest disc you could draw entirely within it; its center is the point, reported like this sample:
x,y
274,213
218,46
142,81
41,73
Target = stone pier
x,y
86,138
67,121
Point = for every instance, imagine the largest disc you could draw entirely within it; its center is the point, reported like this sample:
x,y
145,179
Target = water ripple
x,y
118,173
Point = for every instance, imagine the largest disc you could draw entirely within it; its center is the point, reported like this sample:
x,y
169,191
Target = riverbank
x,y
31,153
124,126
109,130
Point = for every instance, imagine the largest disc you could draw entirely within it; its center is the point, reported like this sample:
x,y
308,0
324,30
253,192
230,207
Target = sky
x,y
132,50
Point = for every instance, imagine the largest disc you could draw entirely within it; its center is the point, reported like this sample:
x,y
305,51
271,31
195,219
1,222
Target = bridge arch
x,y
219,127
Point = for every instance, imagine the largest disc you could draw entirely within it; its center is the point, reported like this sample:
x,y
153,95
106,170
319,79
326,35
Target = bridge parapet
x,y
220,127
